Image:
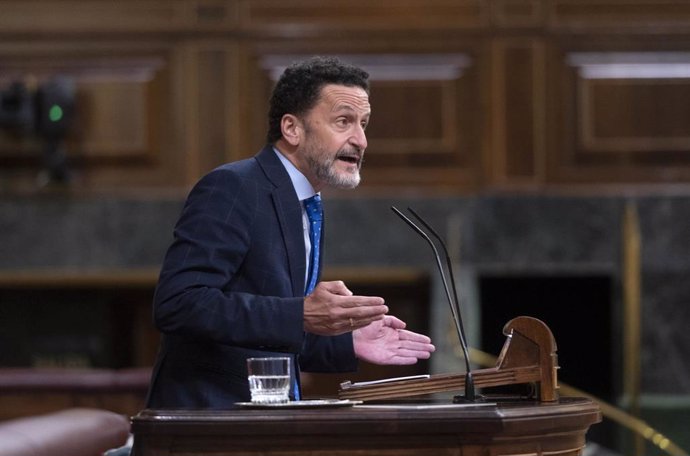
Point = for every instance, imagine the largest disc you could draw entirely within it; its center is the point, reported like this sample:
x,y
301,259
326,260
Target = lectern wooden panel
x,y
404,429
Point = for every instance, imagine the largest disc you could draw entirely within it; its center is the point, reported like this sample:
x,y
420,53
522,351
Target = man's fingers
x,y
409,355
361,301
394,322
424,350
336,287
403,360
332,309
413,336
413,354
363,309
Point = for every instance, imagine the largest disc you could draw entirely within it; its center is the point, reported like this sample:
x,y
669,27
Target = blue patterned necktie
x,y
315,215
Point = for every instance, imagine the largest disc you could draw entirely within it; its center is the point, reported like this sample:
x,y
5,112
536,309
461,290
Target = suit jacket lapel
x,y
289,215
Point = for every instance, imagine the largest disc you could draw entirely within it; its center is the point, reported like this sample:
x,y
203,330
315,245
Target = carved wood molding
x,y
623,117
618,15
172,88
304,18
108,16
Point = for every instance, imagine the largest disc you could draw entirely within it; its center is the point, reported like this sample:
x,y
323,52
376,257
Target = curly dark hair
x,y
299,87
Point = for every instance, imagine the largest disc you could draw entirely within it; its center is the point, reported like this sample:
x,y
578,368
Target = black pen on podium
x,y
454,304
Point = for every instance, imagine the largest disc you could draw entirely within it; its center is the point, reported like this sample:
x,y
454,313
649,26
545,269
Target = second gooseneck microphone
x,y
453,301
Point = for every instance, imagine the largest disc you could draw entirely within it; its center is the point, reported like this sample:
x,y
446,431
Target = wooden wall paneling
x,y
222,15
634,114
624,117
123,131
315,17
618,15
430,128
562,118
121,16
517,13
249,85
242,114
50,15
114,119
517,115
162,163
255,86
171,88
203,114
217,112
186,85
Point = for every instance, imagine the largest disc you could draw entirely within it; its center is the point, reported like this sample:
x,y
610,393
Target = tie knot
x,y
313,207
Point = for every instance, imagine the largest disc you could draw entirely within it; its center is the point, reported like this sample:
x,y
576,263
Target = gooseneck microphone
x,y
454,304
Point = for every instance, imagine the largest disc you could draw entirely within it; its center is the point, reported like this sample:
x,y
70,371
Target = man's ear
x,y
291,128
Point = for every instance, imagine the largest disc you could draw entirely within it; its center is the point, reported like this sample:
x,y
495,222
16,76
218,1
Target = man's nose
x,y
359,138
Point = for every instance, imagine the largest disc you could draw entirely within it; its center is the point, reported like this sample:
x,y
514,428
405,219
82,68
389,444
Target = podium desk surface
x,y
393,428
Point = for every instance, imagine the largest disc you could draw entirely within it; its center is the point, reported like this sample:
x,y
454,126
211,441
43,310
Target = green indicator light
x,y
55,114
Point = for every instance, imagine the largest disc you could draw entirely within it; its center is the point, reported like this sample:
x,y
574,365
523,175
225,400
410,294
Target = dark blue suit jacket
x,y
231,287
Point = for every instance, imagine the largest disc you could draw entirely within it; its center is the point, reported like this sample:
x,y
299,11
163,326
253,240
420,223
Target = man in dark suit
x,y
235,281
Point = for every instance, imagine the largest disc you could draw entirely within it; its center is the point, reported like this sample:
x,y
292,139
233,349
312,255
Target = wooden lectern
x,y
527,428
544,426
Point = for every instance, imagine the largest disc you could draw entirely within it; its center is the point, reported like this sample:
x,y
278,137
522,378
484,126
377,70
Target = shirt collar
x,y
302,186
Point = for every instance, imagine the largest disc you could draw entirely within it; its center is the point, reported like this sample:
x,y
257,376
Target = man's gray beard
x,y
324,172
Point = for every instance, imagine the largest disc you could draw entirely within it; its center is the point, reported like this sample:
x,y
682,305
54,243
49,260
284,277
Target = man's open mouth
x,y
352,159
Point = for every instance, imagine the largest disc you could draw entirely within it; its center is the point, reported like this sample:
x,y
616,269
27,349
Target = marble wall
x,y
496,234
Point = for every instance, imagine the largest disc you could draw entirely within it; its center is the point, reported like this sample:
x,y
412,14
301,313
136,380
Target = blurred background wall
x,y
547,140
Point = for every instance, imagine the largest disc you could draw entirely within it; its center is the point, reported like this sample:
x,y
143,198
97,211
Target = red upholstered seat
x,y
71,432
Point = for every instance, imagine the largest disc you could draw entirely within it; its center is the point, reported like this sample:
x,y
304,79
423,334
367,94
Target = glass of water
x,y
269,379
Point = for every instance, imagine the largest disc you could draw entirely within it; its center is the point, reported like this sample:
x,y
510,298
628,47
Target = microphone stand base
x,y
460,399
